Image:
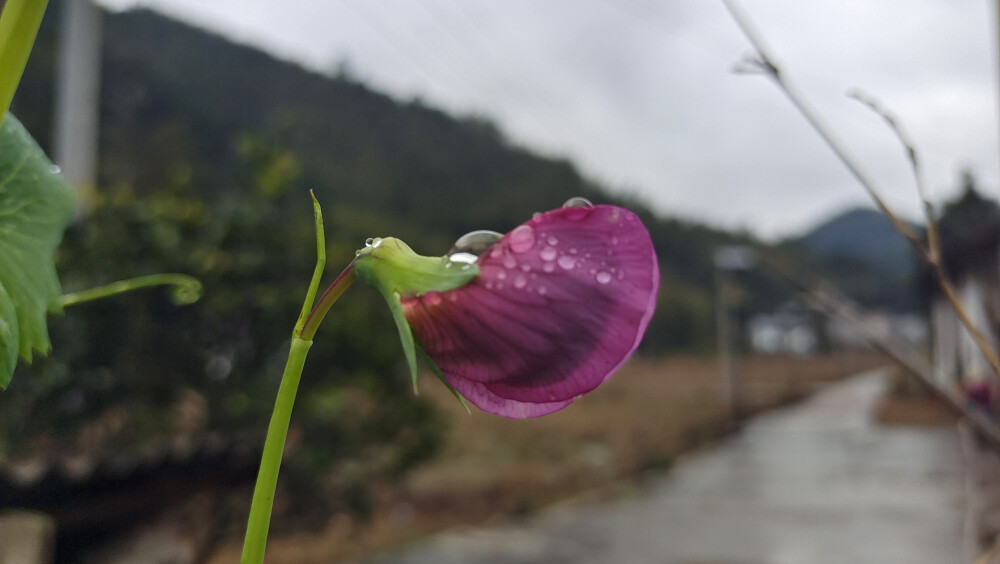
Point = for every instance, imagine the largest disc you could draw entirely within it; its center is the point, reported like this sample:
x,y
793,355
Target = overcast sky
x,y
639,94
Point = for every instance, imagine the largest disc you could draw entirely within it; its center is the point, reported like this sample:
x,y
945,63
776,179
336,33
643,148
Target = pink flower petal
x,y
560,303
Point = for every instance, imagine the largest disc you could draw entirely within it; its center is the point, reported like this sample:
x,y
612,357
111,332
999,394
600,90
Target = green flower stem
x,y
274,445
270,462
186,289
19,24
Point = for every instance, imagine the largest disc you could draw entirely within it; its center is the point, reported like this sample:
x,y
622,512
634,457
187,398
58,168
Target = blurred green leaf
x,y
36,204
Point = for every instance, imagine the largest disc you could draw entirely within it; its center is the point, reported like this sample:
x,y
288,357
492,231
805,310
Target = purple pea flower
x,y
558,305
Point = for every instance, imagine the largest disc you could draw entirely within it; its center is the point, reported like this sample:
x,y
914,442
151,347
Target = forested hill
x,y
183,109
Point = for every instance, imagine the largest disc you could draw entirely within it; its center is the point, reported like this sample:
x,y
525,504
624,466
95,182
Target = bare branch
x,y
768,64
930,254
933,240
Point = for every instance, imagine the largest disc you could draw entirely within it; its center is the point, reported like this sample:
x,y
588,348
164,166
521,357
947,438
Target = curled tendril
x,y
185,289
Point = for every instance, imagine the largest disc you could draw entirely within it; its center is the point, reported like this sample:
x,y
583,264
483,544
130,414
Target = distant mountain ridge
x,y
862,248
861,233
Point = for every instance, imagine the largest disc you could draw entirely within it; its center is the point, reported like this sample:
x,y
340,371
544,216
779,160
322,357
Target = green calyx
x,y
391,267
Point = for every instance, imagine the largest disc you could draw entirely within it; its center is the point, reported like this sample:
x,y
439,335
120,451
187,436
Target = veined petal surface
x,y
560,303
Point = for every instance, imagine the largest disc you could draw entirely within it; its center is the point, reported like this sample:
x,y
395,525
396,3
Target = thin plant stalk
x,y
764,63
19,23
259,520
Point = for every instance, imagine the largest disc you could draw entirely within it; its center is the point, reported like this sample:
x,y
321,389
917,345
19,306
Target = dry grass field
x,y
493,469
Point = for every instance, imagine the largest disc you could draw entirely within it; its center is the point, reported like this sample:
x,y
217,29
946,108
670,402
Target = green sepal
x,y
447,384
391,267
405,334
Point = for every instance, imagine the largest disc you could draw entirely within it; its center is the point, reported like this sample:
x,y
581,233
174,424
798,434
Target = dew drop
x,y
520,281
474,242
357,253
377,242
536,215
578,202
462,257
509,261
369,241
603,277
552,240
566,262
501,275
542,291
572,251
614,240
547,254
522,238
621,275
432,298
549,266
525,268
54,169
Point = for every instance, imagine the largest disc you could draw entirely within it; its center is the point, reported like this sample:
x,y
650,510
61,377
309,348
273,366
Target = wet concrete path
x,y
814,483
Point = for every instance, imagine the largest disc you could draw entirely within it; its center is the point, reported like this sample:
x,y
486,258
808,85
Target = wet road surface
x,y
817,482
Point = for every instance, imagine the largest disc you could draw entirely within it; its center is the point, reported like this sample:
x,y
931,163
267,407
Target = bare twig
x,y
930,253
933,240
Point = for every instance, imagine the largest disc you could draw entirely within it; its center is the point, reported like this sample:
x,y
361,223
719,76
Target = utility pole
x,y
729,260
77,111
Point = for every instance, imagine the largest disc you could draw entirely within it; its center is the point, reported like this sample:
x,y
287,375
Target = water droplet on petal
x,y
578,202
509,261
377,243
603,277
522,238
536,215
54,169
621,275
475,242
614,240
432,298
369,241
357,253
520,281
525,268
549,266
542,291
566,262
462,257
501,275
552,241
547,254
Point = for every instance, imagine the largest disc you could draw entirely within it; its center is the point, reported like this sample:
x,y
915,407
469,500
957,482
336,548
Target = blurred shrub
x,y
136,370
